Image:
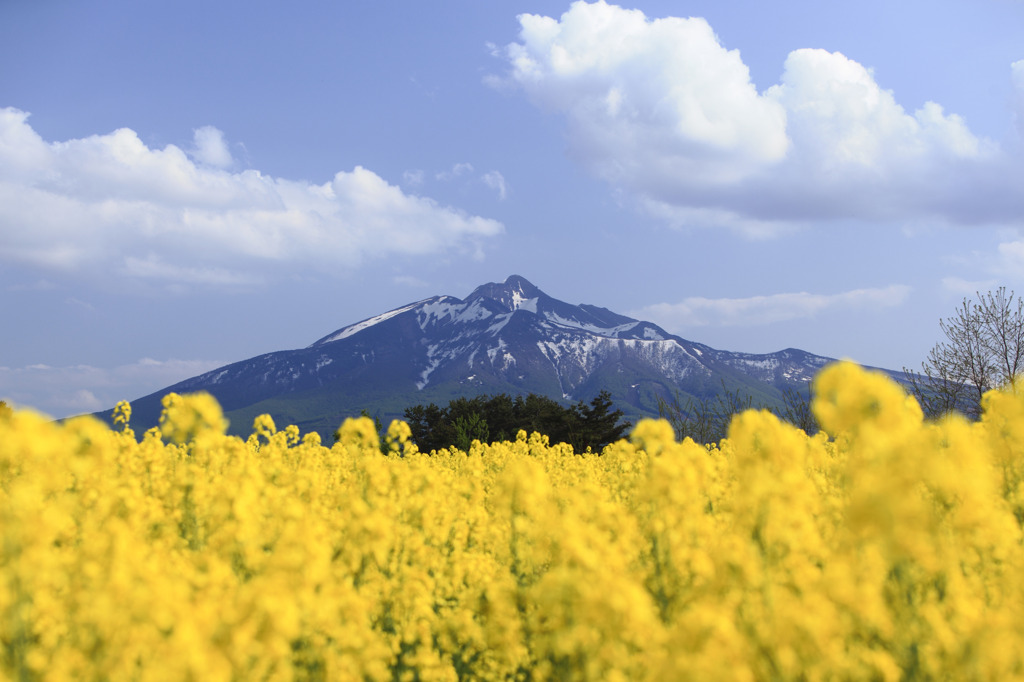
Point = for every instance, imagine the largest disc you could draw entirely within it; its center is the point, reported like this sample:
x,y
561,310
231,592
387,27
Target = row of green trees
x,y
500,417
593,425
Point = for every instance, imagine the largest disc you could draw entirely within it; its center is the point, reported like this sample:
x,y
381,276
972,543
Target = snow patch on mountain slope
x,y
473,312
774,365
671,358
436,311
507,359
520,303
365,324
581,349
580,354
613,332
494,350
425,374
433,362
499,323
216,378
451,311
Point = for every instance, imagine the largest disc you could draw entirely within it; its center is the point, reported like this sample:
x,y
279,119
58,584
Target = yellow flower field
x,y
885,548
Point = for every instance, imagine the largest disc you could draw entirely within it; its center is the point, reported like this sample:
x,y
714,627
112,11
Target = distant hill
x,y
508,337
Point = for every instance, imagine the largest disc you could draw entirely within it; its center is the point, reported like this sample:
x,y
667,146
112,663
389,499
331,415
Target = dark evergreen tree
x,y
596,425
427,424
469,429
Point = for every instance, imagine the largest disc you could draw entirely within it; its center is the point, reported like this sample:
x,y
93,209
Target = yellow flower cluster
x,y
884,547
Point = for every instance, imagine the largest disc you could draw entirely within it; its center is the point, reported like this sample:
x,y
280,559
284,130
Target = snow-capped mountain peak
x,y
513,294
504,337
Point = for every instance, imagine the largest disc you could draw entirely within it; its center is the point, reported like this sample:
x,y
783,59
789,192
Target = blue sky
x,y
186,184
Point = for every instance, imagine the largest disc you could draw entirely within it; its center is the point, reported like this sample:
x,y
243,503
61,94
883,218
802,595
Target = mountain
x,y
507,337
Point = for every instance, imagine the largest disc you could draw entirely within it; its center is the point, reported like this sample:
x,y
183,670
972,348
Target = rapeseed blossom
x,y
885,547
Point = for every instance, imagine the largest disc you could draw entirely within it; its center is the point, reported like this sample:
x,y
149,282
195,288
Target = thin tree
x,y
796,409
705,420
984,349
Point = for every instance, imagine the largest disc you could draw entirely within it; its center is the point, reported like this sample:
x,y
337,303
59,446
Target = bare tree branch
x,y
984,349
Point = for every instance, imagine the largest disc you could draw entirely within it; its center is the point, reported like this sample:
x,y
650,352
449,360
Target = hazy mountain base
x,y
635,390
323,409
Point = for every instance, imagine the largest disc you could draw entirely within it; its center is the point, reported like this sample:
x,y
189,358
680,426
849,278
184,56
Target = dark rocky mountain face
x,y
507,337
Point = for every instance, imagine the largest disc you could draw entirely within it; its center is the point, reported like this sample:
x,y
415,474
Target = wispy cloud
x,y
76,389
109,204
413,178
1009,261
410,281
37,285
1017,70
986,269
660,108
761,310
967,288
456,171
153,267
469,176
496,181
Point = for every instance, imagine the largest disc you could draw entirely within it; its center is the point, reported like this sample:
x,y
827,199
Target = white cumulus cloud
x,y
660,108
761,310
647,99
110,204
